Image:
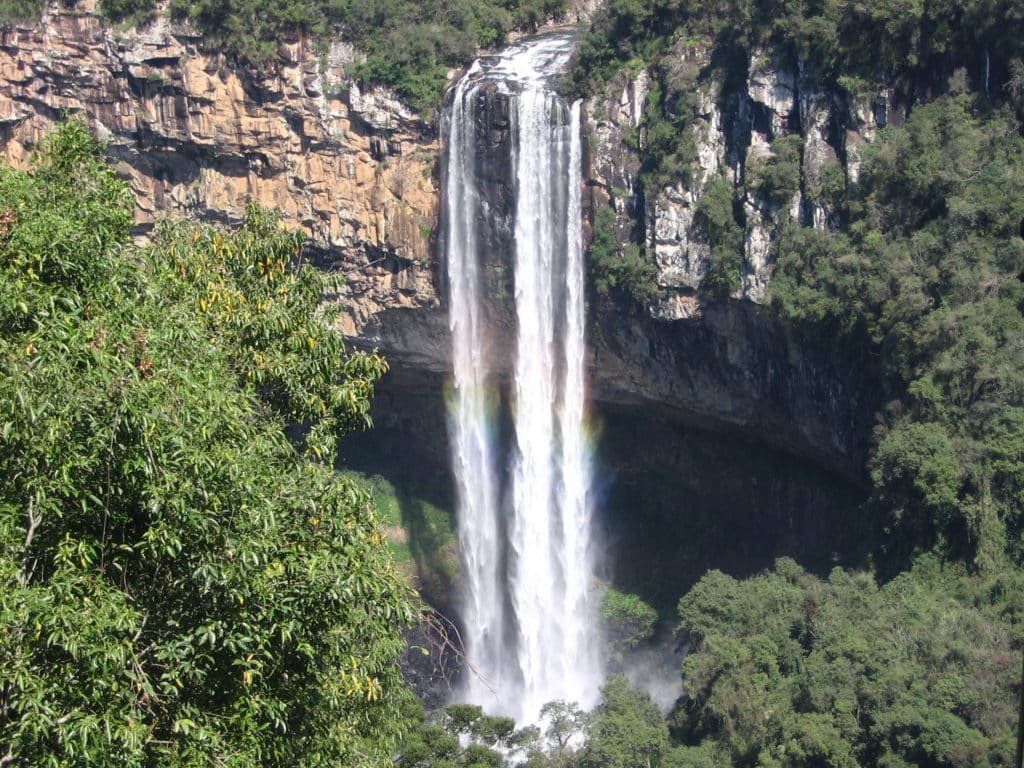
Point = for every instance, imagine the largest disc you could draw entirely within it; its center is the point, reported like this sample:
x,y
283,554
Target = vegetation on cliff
x,y
911,45
927,274
409,44
180,584
920,263
613,267
918,272
846,49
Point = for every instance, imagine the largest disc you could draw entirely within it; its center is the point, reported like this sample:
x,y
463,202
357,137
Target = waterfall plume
x,y
523,503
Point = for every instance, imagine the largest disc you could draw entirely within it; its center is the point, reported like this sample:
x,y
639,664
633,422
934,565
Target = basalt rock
x,y
198,136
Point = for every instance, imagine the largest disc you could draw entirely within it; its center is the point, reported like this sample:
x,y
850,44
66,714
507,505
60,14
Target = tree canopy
x,y
928,273
180,584
793,670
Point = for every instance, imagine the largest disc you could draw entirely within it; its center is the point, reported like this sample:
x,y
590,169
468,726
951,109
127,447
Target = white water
x,y
472,442
526,549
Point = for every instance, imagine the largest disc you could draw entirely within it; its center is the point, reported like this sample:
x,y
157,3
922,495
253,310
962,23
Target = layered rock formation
x,y
198,137
685,378
733,129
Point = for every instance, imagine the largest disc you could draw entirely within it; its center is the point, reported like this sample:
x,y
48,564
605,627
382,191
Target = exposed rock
x,y
677,306
724,432
680,249
584,10
815,119
868,113
771,88
732,366
613,166
198,137
757,265
725,360
359,172
733,131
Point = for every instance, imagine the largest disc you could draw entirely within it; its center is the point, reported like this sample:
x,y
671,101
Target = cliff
x,y
198,137
729,358
738,418
735,128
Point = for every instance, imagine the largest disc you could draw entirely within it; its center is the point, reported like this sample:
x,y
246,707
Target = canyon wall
x,y
729,359
711,407
196,136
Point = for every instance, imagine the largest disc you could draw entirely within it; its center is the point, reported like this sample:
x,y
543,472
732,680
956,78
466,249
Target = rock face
x,y
197,137
716,404
732,128
729,363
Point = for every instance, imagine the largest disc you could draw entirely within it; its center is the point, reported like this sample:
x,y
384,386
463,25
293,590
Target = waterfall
x,y
524,502
472,442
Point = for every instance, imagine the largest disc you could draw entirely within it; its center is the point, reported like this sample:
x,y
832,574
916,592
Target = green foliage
x,y
917,467
777,176
627,621
668,148
830,189
409,45
626,730
927,274
251,290
904,43
179,585
417,519
135,10
790,670
716,216
428,744
622,31
913,47
12,11
565,723
460,718
617,268
819,285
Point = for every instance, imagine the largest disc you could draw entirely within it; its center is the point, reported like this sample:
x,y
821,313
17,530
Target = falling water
x,y
472,443
524,513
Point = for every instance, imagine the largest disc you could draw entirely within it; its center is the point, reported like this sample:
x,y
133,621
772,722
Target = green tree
x,y
792,670
716,216
627,622
777,176
618,268
178,585
626,730
926,277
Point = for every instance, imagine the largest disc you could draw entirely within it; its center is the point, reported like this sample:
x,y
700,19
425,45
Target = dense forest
x,y
185,580
180,584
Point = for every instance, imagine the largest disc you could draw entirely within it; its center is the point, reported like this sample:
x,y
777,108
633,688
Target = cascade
x,y
523,502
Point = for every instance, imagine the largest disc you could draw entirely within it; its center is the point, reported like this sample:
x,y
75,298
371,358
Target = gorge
x,y
692,339
727,438
718,414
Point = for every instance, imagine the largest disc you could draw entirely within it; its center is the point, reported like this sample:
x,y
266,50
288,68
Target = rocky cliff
x,y
730,359
198,137
719,400
734,127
